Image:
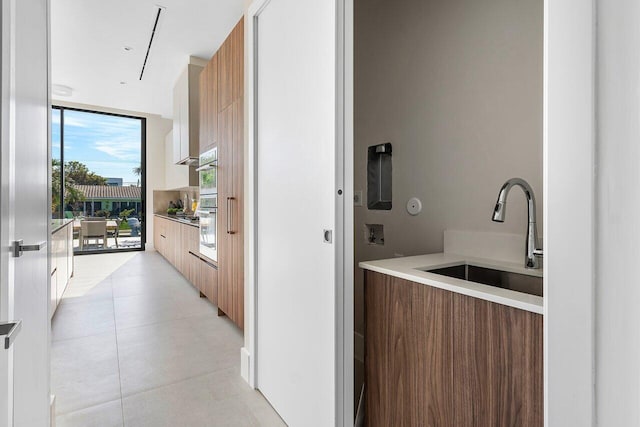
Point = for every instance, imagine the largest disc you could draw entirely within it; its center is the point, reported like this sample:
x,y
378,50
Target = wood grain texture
x,y
225,192
209,275
409,368
225,73
237,52
437,358
237,189
497,364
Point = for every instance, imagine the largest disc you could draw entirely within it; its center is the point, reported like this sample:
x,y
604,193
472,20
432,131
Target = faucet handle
x,y
538,253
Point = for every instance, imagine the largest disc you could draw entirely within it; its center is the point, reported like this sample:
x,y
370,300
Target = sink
x,y
531,285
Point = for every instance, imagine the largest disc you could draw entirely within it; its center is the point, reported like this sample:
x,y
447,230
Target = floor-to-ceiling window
x,y
98,178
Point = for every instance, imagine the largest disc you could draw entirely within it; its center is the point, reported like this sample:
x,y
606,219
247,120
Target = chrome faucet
x,y
533,252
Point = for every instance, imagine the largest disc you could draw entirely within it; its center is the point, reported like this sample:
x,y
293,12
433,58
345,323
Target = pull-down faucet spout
x,y
533,252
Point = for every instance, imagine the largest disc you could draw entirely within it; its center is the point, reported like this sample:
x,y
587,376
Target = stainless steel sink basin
x,y
531,285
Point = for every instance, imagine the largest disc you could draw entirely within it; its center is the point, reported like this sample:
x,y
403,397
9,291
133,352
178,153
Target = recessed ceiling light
x,y
61,90
128,48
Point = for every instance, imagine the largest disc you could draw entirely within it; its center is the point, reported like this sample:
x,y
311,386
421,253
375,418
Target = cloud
x,y
121,150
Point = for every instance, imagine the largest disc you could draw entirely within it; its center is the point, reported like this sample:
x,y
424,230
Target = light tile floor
x,y
134,345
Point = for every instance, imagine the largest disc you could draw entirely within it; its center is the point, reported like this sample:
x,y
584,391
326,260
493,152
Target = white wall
x,y
617,296
456,87
157,129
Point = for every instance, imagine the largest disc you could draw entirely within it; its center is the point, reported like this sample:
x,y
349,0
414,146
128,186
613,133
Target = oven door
x,y
208,213
208,172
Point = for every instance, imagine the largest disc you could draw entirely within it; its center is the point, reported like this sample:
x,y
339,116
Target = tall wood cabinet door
x,y
237,210
213,101
237,47
225,73
497,364
225,202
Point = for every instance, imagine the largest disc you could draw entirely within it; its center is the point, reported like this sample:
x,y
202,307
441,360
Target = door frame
x,y
569,154
569,135
344,257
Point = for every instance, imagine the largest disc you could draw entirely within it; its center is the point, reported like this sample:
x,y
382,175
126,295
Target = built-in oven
x,y
208,172
208,212
208,205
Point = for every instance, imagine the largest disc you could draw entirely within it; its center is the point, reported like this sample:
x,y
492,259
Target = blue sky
x,y
108,145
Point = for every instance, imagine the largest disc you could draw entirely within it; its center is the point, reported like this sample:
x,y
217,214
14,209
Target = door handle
x,y
10,330
229,220
18,246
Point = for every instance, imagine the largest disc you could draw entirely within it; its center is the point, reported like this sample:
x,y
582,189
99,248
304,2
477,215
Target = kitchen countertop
x,y
408,268
57,224
178,219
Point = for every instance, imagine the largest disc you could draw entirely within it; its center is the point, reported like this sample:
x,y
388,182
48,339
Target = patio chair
x,y
115,233
93,230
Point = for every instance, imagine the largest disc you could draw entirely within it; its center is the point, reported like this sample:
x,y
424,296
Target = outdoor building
x,y
113,199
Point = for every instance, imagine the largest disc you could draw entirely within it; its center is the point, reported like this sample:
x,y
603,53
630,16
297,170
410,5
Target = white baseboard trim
x,y
52,409
358,346
245,359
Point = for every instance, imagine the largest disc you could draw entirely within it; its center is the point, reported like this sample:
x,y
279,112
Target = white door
x,y
297,200
24,211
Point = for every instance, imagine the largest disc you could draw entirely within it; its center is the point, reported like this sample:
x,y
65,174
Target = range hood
x,y
189,161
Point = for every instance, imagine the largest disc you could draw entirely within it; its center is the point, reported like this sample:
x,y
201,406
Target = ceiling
x,y
88,39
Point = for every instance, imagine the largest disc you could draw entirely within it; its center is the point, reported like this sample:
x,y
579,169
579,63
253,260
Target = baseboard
x,y
245,359
52,410
358,346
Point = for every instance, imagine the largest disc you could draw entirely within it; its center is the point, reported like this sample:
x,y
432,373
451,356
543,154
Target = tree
x,y
72,196
78,173
138,171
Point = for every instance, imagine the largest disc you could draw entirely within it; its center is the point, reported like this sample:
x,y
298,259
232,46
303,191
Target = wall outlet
x,y
357,198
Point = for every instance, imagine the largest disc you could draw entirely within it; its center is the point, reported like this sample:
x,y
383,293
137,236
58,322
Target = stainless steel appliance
x,y
208,172
208,205
208,213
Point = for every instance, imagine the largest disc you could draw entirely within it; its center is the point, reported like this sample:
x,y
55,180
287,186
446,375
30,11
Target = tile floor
x,y
134,345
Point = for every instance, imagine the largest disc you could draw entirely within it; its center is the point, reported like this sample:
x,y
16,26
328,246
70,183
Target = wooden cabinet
x,y
438,358
222,107
408,353
497,364
209,105
179,243
209,281
160,234
186,115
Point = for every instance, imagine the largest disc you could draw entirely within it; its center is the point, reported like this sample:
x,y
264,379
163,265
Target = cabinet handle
x,y
229,220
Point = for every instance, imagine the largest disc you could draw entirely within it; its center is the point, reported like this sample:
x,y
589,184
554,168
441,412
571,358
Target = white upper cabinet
x,y
186,116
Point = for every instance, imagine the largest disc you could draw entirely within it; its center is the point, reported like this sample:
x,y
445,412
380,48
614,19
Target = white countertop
x,y
409,268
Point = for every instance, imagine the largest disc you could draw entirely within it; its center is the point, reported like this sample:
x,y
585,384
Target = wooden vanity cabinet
x,y
437,358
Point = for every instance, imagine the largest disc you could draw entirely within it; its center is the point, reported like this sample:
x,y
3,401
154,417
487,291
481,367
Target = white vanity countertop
x,y
408,268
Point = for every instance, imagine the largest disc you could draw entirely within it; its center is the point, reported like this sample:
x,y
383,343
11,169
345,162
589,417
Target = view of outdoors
x,y
97,178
